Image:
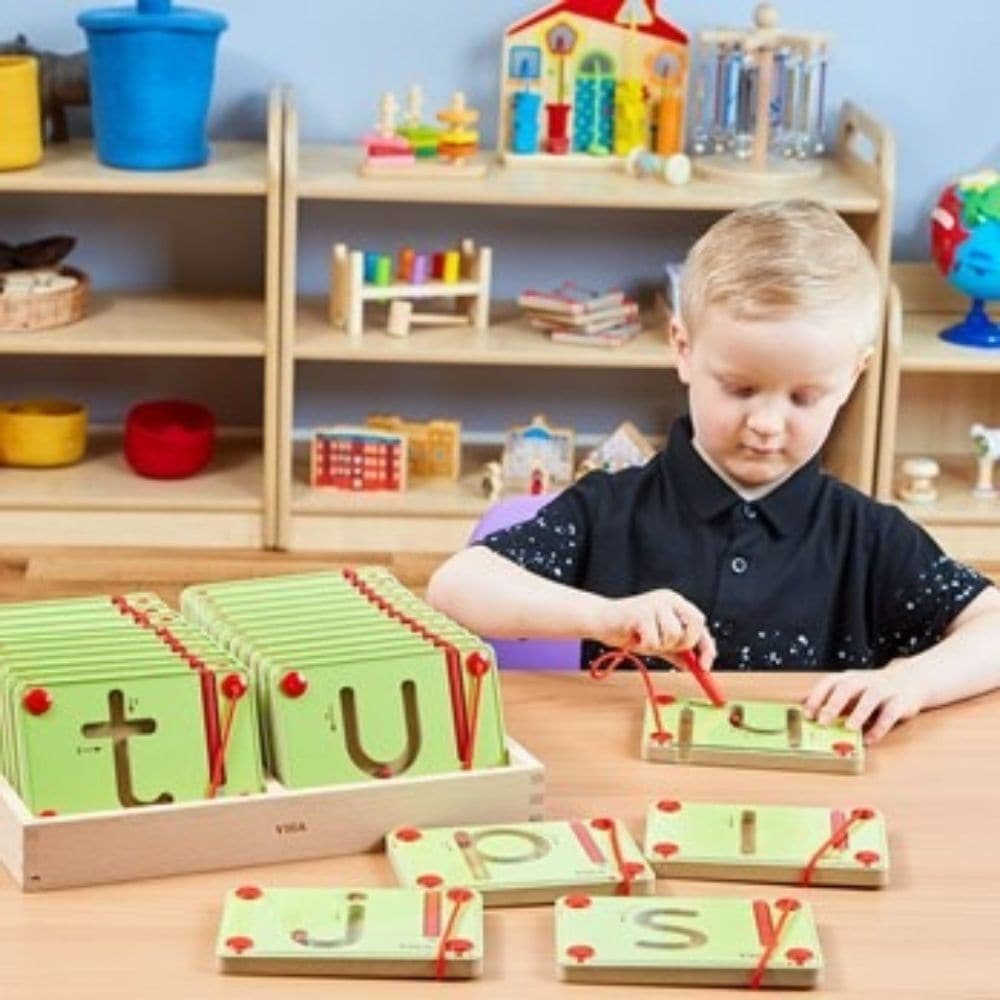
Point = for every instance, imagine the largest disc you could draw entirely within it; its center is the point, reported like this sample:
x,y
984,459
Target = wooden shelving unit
x,y
857,182
101,501
933,391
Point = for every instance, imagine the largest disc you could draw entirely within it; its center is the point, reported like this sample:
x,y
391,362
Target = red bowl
x,y
169,438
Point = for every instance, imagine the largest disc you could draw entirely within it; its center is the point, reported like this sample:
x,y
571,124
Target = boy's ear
x,y
680,339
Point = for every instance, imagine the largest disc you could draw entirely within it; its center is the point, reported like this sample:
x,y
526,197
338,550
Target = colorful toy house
x,y
434,447
358,458
584,82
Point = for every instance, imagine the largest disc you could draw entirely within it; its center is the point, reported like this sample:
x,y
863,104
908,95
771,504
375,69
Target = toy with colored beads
x,y
759,101
461,274
414,148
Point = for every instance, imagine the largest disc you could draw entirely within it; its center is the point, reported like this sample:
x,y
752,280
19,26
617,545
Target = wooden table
x,y
935,932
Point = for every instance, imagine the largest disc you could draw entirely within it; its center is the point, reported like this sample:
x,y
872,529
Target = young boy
x,y
731,542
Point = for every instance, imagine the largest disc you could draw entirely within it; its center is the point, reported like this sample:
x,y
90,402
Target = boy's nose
x,y
766,420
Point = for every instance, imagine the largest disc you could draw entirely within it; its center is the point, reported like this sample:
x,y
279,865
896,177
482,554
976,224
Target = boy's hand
x,y
657,623
879,699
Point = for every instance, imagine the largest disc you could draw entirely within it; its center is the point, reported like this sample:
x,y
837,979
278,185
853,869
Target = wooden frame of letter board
x,y
57,852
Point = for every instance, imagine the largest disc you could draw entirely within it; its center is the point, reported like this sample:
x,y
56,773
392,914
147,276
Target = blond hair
x,y
781,257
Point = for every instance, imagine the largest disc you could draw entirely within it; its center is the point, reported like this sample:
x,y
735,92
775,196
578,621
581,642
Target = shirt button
x,y
739,565
749,511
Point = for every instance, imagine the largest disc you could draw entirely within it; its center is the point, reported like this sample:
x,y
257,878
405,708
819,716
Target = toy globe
x,y
965,242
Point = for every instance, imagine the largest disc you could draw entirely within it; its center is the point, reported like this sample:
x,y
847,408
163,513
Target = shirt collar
x,y
786,508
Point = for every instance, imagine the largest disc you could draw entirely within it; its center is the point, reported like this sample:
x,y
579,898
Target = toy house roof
x,y
605,10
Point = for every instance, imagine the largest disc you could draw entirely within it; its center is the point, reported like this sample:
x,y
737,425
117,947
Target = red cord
x,y
603,665
704,678
477,665
835,838
458,897
625,868
220,757
787,910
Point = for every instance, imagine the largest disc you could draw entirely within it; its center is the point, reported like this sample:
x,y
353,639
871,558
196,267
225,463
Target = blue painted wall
x,y
929,78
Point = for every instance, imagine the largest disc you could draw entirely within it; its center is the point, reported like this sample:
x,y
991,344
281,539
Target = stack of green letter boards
x,y
797,844
523,863
358,678
118,702
407,933
748,734
675,940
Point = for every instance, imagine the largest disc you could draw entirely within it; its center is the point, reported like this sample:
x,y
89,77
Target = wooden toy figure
x,y
760,101
492,481
583,81
918,485
987,444
537,455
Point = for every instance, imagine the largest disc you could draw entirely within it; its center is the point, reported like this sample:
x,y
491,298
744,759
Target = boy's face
x,y
763,393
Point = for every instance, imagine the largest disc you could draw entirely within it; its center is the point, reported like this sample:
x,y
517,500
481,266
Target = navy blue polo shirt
x,y
812,576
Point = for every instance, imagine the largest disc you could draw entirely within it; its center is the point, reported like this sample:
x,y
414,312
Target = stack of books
x,y
572,314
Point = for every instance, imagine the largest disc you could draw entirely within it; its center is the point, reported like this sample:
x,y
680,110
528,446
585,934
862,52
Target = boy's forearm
x,y
965,663
493,596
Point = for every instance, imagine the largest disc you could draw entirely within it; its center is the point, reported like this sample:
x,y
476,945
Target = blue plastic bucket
x,y
151,74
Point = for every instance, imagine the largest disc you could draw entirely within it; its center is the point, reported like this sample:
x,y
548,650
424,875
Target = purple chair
x,y
525,654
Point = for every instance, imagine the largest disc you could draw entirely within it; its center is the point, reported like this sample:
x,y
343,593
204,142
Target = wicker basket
x,y
39,311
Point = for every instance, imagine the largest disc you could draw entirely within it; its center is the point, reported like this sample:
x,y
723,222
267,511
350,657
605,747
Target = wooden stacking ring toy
x,y
169,438
42,432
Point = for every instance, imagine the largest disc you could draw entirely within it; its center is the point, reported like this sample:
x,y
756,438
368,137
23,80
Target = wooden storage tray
x,y
91,848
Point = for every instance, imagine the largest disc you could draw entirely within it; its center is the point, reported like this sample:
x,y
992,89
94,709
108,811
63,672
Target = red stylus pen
x,y
704,678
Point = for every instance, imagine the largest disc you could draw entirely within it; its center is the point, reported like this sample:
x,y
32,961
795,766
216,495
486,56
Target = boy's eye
x,y
806,397
740,391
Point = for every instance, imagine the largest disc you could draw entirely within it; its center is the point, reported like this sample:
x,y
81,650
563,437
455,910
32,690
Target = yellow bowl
x,y
42,432
20,113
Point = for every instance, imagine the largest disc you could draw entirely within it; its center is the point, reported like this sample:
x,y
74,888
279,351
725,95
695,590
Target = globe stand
x,y
976,330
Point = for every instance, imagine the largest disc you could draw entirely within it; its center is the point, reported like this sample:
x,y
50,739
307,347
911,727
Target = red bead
x,y
787,905
234,687
798,955
459,895
477,664
37,701
863,813
239,944
843,749
867,858
665,699
459,946
578,902
48,812
662,737
408,834
293,684
632,868
581,952
249,892
429,881
602,823
666,849
668,806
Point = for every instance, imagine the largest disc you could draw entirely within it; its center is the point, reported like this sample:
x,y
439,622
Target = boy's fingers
x,y
706,651
867,704
840,697
819,694
892,712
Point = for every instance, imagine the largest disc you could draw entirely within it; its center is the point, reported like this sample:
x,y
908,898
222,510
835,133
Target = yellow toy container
x,y
42,432
20,113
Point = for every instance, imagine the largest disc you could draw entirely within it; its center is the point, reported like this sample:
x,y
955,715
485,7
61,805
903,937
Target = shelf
x,y
235,168
924,351
955,504
511,343
101,501
153,325
331,173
